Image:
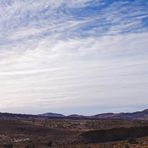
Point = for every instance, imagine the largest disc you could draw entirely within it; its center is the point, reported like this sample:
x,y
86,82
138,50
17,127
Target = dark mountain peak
x,y
52,115
146,110
75,115
104,115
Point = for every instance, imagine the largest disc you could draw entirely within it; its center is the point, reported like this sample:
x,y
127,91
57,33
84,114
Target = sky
x,y
73,56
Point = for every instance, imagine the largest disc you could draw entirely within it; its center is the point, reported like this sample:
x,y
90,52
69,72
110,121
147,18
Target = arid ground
x,y
73,133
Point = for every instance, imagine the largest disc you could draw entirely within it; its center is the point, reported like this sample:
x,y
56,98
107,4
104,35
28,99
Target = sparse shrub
x,y
21,129
127,146
8,145
30,141
49,143
132,141
30,145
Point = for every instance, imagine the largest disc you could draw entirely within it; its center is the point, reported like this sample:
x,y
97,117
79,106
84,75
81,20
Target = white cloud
x,y
71,72
46,61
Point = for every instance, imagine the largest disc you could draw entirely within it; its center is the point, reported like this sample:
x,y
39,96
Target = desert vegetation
x,y
37,132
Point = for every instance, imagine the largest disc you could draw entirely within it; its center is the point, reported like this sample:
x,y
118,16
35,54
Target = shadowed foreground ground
x,y
67,133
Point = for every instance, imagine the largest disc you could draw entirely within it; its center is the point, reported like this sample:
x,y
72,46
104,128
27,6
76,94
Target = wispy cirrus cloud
x,y
72,54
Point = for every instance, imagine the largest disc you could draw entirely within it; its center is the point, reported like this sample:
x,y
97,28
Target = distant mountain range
x,y
139,115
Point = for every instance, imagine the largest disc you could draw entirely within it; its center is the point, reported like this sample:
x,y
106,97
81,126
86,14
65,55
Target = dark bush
x,y
49,143
8,145
21,129
30,145
127,146
132,141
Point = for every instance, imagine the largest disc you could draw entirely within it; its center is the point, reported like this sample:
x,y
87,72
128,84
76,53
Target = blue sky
x,y
73,56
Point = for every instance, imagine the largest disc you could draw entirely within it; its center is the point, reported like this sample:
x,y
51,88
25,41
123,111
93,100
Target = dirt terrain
x,y
70,133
